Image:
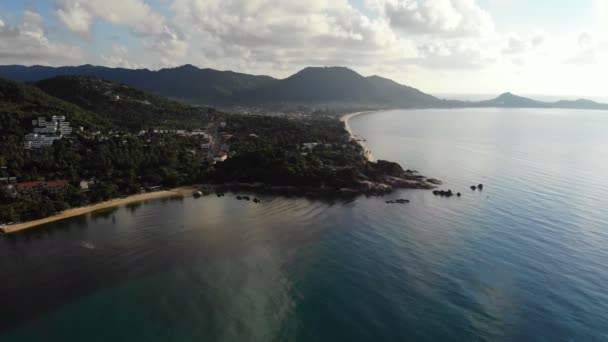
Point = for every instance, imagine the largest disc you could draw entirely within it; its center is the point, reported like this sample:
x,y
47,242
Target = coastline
x,y
176,192
366,151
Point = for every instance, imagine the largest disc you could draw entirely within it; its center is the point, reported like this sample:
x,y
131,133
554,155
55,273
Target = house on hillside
x,y
221,156
46,132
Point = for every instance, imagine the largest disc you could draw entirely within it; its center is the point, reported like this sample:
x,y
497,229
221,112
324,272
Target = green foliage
x,y
119,162
123,106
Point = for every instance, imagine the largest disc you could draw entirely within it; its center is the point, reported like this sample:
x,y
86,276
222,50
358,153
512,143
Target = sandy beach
x,y
183,191
345,119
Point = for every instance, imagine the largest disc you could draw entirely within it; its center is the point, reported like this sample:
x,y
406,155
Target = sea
x,y
525,259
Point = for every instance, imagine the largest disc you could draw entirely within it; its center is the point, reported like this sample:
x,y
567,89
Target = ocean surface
x,y
526,259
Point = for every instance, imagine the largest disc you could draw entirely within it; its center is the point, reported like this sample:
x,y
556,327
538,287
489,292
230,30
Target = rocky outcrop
x,y
398,182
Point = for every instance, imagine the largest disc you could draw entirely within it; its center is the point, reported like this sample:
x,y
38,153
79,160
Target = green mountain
x,y
122,105
20,103
207,86
185,83
310,86
336,85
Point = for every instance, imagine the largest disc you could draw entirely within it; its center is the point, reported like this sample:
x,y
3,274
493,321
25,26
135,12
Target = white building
x,y
45,132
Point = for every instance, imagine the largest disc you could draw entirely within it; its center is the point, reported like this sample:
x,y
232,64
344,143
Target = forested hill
x,y
186,83
338,85
20,103
189,84
124,106
310,86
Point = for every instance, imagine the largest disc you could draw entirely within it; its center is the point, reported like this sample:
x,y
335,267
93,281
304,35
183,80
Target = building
x,y
84,185
221,156
46,132
200,132
51,185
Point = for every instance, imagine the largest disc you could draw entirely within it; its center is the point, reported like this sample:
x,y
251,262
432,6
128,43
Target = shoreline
x,y
176,192
367,152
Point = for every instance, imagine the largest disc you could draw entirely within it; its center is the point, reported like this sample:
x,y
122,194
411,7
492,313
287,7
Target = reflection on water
x,y
523,260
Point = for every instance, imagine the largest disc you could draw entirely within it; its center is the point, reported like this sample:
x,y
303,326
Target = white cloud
x,y
119,58
156,32
28,44
585,53
515,45
75,17
447,17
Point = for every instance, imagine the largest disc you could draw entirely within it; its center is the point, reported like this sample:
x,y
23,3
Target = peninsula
x,y
74,144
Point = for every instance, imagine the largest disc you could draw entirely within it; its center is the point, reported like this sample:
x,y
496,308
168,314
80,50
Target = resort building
x,y
46,132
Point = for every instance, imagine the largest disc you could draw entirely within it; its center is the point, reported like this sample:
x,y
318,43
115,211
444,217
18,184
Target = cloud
x,y
460,54
515,45
586,51
292,33
119,58
155,31
520,46
75,17
458,18
28,44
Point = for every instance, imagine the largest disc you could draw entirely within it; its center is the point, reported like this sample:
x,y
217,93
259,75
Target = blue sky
x,y
441,46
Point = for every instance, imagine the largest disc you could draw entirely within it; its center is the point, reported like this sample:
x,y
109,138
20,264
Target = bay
x,y
524,259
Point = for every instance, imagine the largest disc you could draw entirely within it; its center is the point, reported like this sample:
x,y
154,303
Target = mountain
x,y
508,100
190,84
401,94
310,86
122,105
327,85
186,83
511,100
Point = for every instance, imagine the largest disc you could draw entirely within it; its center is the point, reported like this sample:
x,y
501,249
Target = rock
x,y
434,181
480,187
436,192
459,194
473,187
197,194
255,200
239,198
402,201
246,198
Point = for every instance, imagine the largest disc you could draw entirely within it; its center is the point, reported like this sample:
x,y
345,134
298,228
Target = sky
x,y
550,47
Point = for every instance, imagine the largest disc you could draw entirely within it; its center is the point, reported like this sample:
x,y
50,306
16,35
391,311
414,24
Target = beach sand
x,y
366,151
177,192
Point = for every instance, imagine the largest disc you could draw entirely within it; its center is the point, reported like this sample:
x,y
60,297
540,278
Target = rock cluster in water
x,y
443,193
478,187
399,201
247,198
449,193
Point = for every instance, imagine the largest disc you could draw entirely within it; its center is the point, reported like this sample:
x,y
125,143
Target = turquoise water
x,y
526,259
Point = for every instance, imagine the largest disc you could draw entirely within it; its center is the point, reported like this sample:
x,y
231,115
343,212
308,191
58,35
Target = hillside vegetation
x,y
125,107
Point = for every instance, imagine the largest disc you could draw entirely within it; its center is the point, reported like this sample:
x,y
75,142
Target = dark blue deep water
x,y
524,260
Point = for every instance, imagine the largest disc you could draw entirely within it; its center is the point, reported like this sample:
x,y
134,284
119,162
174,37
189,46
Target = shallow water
x,y
526,259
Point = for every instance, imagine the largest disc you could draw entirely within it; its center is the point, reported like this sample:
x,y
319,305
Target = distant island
x,y
337,87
